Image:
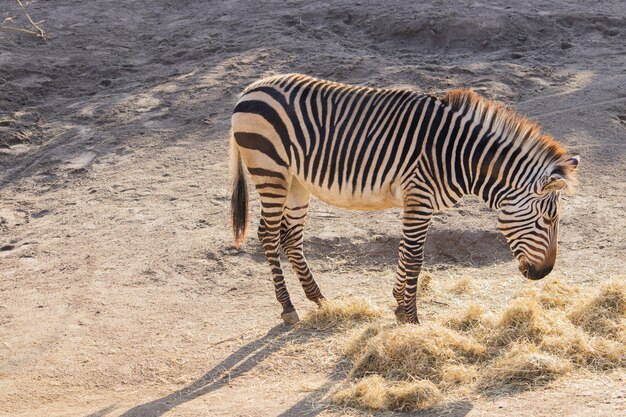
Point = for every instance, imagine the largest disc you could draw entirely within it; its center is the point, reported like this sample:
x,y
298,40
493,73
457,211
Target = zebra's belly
x,y
388,196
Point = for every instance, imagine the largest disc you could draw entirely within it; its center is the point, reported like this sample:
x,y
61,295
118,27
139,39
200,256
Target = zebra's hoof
x,y
320,301
290,318
400,315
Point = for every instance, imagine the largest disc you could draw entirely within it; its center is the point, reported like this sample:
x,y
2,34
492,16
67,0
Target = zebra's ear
x,y
553,183
572,162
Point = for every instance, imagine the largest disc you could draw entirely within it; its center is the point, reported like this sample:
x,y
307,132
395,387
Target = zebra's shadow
x,y
444,248
243,360
234,366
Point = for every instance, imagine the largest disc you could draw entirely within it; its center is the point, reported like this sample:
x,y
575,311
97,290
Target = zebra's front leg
x,y
415,221
400,285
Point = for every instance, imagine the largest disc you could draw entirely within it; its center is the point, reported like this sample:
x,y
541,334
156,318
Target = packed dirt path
x,y
120,291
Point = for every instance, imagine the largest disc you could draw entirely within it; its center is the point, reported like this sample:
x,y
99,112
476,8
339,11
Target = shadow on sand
x,y
234,366
242,361
444,248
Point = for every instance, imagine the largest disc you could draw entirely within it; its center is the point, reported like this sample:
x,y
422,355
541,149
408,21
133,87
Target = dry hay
x,y
541,336
376,393
524,365
472,318
424,283
604,314
340,313
594,353
458,377
415,351
360,340
523,321
462,286
555,294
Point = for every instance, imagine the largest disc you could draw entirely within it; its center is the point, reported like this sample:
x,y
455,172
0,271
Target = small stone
x,y
516,55
566,45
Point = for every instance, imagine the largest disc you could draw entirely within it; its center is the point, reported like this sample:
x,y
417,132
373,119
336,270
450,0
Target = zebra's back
x,y
350,146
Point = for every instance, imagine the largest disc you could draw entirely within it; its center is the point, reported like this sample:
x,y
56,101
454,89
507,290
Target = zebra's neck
x,y
491,181
483,153
502,155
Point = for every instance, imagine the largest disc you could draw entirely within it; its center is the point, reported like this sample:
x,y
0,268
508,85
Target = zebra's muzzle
x,y
531,272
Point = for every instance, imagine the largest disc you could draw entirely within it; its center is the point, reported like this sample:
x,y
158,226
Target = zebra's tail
x,y
239,198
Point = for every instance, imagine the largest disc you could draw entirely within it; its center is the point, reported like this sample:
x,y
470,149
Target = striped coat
x,y
368,149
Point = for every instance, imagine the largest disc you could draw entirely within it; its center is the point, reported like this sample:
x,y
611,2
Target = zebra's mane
x,y
515,127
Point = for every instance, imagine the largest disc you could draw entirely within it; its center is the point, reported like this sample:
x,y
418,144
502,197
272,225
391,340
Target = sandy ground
x,y
120,293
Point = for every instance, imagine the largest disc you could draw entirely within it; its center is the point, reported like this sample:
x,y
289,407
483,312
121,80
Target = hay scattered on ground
x,y
462,286
583,350
539,337
424,282
555,294
458,375
523,321
524,365
340,313
360,340
415,351
472,318
604,314
377,393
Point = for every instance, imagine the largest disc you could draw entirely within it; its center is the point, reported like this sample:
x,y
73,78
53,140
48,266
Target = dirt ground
x,y
120,292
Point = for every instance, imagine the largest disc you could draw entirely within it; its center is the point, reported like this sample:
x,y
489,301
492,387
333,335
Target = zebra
x,y
369,148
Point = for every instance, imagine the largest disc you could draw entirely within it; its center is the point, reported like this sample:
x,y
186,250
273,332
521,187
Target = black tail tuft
x,y
239,201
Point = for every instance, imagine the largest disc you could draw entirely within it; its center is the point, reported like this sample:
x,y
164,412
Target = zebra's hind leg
x,y
273,195
291,238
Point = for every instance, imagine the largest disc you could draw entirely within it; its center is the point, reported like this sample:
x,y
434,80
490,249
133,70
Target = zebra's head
x,y
530,220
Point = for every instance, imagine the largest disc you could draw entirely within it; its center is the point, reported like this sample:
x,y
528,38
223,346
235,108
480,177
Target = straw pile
x,y
415,351
521,366
341,313
377,393
540,337
462,286
604,314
